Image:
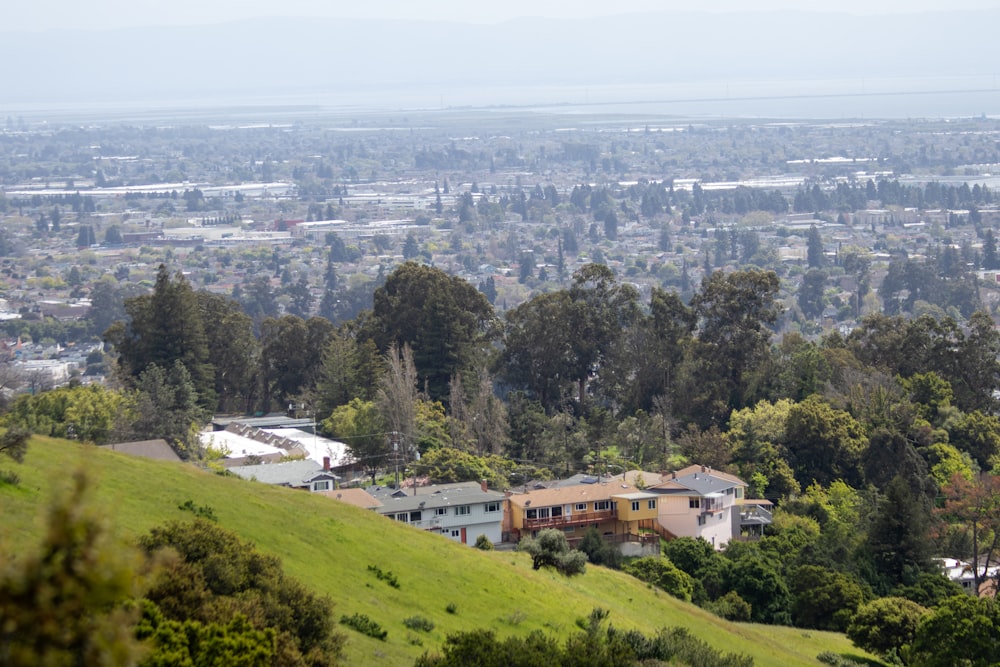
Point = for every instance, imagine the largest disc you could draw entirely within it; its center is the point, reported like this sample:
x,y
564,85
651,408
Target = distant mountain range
x,y
296,55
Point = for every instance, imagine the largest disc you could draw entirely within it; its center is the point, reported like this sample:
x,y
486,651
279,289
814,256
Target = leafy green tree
x,y
760,583
446,321
290,353
886,626
88,413
360,426
538,350
810,296
233,349
164,405
164,327
733,314
14,443
963,630
220,579
599,551
824,599
65,603
898,536
824,444
814,249
551,549
976,433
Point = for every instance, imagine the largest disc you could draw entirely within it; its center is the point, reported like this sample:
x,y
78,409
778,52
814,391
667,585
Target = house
x,y
357,497
961,573
700,502
620,512
461,512
302,474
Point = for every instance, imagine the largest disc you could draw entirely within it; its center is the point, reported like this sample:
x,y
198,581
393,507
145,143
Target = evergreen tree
x,y
814,249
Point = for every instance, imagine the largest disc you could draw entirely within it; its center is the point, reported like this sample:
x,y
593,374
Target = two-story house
x,y
700,502
620,512
461,512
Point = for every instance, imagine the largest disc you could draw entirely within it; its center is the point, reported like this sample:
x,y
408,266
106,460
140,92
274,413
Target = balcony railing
x,y
755,514
568,520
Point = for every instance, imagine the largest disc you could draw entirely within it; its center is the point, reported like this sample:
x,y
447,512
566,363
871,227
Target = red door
x,y
463,536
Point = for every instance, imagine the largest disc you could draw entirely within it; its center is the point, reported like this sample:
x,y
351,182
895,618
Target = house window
x,y
739,492
415,516
635,505
694,503
323,485
602,505
580,507
701,519
729,491
557,511
651,504
441,511
531,514
402,516
455,533
462,510
492,507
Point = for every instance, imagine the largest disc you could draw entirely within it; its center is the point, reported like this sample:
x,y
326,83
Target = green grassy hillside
x,y
330,545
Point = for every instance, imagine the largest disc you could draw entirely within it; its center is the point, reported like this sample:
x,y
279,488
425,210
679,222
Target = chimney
x,y
326,463
673,474
703,469
483,485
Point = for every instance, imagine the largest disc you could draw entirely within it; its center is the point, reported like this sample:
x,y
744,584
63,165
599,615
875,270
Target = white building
x,y
461,512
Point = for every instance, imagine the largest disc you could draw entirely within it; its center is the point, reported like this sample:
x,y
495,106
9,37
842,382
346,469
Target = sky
x,y
41,15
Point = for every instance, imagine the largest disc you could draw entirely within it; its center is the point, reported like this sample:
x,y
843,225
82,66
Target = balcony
x,y
568,520
755,515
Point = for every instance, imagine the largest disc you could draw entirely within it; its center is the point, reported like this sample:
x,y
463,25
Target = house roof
x,y
431,497
356,497
150,449
581,493
698,480
289,473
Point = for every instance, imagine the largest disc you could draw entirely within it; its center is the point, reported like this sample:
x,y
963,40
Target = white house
x,y
461,512
700,502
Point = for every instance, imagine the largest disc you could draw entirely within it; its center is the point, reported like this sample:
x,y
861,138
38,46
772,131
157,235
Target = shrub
x,y
452,608
551,548
483,543
663,574
731,607
365,626
387,577
202,511
418,623
885,625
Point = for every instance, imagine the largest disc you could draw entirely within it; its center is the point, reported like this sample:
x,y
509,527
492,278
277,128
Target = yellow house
x,y
620,512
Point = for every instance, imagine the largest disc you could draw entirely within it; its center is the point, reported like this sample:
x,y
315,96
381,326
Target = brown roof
x,y
581,493
356,497
149,449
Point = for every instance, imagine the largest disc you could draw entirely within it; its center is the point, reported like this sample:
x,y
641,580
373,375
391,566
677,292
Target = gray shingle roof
x,y
289,473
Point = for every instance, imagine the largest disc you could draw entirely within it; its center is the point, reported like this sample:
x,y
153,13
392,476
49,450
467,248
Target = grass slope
x,y
330,545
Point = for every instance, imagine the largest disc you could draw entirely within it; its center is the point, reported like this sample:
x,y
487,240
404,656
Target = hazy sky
x,y
47,14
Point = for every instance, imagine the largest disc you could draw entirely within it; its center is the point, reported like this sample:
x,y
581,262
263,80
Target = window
x,y
729,491
402,516
701,519
651,504
323,485
462,510
580,507
635,505
441,511
694,503
492,507
739,492
557,511
455,533
602,505
415,516
531,514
